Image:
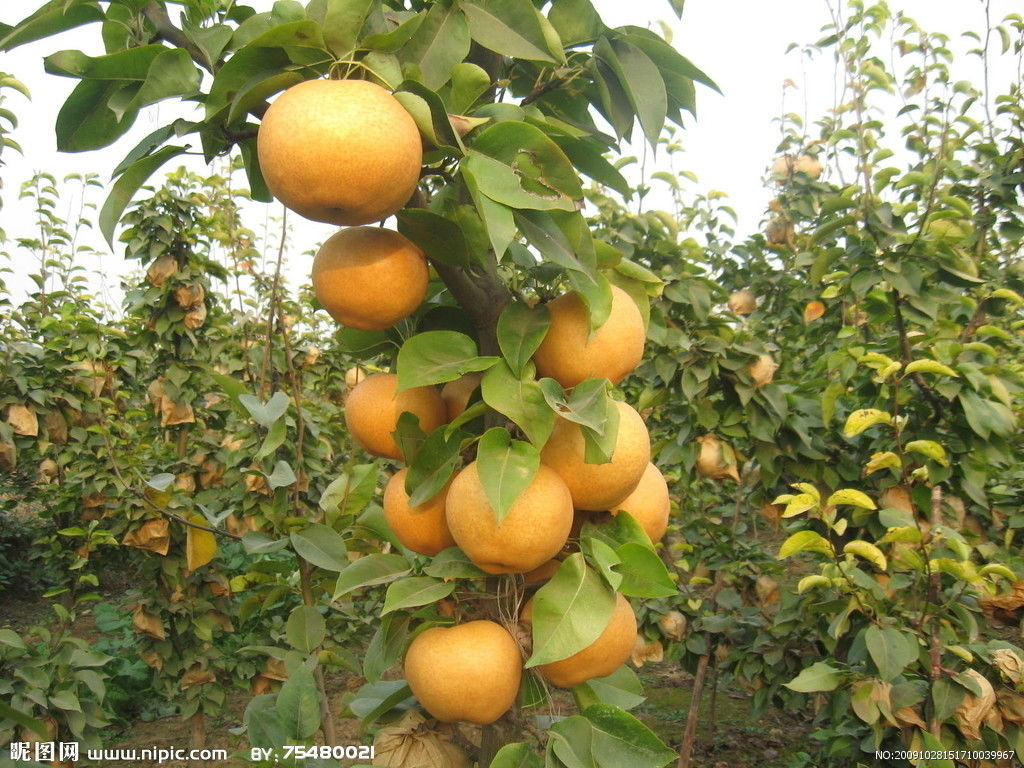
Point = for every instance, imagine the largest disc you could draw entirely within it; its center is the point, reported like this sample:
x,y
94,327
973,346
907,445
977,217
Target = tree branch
x,y
165,29
907,357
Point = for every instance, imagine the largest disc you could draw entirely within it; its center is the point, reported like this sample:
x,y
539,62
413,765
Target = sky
x,y
741,44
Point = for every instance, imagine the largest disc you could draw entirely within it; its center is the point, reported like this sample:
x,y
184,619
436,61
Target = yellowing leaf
x,y
868,551
200,546
930,366
148,624
886,460
889,370
800,503
1006,293
929,448
998,569
851,497
152,535
962,652
805,541
811,582
861,419
809,489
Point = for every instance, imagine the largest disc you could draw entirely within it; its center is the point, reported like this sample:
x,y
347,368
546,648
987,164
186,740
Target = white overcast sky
x,y
740,43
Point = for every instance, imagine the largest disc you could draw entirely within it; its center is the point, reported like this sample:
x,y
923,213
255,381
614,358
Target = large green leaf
x,y
128,184
386,647
643,572
506,468
622,688
521,329
521,400
370,570
264,727
543,167
502,184
440,42
439,237
415,591
569,612
518,755
342,23
576,21
433,465
305,628
640,80
435,357
820,676
430,116
321,546
298,704
508,27
50,19
620,739
350,492
86,121
890,649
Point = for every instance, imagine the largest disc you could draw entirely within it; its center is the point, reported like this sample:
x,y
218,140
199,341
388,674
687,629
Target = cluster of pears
x,y
346,152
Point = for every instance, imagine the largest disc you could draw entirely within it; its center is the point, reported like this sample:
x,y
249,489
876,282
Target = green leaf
x,y
86,121
521,400
641,81
521,329
50,19
264,727
415,591
503,184
298,703
621,689
453,563
891,650
586,405
441,41
643,572
11,639
508,27
368,571
930,366
429,114
408,435
576,21
817,677
805,541
864,418
569,612
469,83
7,712
433,465
305,628
435,357
439,237
374,700
397,37
266,414
544,169
342,22
497,218
506,468
928,448
321,546
282,476
601,556
256,543
350,492
386,647
619,739
517,755
852,497
275,437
